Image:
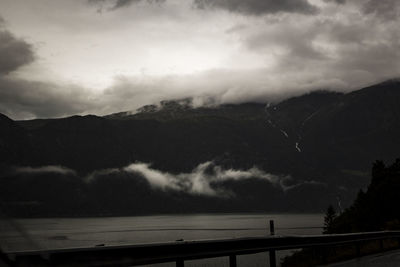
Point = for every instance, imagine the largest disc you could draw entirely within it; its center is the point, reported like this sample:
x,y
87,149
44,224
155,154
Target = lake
x,y
51,233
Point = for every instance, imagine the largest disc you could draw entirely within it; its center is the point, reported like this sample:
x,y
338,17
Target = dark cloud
x,y
115,4
380,59
14,52
21,99
258,7
341,53
385,9
296,42
339,2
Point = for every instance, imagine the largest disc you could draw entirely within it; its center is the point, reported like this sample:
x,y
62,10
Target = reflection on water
x,y
51,233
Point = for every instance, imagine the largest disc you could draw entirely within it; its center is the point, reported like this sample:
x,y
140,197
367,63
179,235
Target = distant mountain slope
x,y
13,141
171,139
361,126
324,141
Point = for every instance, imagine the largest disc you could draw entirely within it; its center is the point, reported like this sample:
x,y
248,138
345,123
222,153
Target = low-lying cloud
x,y
45,169
205,179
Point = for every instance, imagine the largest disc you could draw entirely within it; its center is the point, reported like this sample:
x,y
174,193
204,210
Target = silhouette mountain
x,y
324,141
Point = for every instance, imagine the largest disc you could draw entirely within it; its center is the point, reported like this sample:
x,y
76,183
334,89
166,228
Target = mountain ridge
x,y
324,142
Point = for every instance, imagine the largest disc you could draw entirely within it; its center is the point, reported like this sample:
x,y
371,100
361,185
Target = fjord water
x,y
51,233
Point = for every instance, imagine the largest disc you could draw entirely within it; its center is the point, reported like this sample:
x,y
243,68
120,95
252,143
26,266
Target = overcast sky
x,y
59,58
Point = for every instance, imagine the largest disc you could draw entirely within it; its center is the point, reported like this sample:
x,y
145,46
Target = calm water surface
x,y
50,233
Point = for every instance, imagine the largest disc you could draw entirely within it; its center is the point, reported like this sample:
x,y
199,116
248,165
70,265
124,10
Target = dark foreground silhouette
x,y
376,209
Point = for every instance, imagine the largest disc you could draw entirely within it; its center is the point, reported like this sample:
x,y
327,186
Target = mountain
x,y
297,155
361,126
13,142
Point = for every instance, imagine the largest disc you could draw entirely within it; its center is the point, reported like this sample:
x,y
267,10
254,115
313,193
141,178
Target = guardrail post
x,y
232,261
272,256
180,263
271,227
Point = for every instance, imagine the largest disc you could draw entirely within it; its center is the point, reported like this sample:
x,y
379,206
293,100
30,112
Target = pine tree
x,y
330,215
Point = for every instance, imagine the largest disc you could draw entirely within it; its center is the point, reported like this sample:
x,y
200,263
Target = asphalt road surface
x,y
388,259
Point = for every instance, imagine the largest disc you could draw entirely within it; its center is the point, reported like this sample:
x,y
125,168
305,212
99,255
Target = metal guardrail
x,y
185,250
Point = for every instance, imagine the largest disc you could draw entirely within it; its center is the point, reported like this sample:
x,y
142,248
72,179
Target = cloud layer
x,y
228,51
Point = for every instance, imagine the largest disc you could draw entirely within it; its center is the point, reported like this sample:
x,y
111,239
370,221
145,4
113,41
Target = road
x,y
387,259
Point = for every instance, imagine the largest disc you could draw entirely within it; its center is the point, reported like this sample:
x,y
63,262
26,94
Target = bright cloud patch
x,y
201,179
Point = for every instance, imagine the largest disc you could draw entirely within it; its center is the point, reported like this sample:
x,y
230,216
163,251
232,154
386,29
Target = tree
x,y
378,171
330,215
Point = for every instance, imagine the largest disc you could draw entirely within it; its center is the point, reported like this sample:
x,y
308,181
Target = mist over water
x,y
52,233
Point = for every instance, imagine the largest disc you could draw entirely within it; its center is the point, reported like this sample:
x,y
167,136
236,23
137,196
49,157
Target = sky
x,y
64,57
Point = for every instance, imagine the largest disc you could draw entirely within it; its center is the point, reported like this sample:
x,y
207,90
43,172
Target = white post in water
x,y
272,256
